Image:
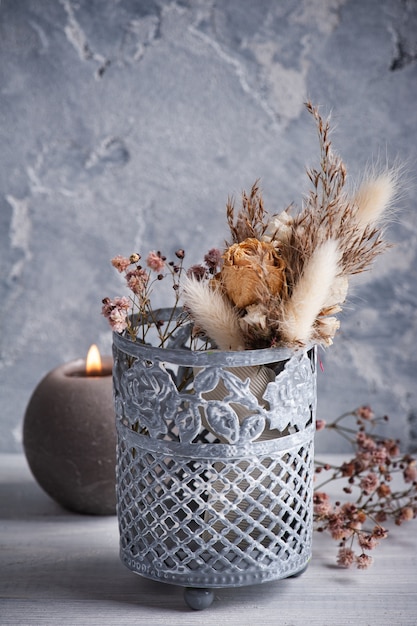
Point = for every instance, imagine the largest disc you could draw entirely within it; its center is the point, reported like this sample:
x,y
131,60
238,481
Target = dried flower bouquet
x,y
282,279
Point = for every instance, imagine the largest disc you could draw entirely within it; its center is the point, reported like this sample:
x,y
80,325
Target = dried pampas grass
x,y
250,220
212,313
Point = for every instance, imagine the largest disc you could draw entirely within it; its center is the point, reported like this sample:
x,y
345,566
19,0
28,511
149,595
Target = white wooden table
x,y
62,568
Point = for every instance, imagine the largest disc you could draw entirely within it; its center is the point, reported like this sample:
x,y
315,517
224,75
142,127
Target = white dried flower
x,y
327,328
338,292
279,228
255,316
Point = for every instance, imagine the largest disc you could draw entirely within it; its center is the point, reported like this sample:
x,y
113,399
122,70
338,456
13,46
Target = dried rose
x,y
251,270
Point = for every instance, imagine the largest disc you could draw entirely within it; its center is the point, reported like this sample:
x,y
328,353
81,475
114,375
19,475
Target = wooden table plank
x,y
61,568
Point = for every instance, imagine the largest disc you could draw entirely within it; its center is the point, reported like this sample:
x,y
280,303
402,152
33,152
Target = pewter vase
x,y
214,463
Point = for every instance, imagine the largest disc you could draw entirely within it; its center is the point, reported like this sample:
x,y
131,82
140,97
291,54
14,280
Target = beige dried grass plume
x,y
310,294
213,313
375,196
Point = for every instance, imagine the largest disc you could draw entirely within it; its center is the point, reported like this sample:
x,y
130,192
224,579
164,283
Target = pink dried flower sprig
x,y
380,481
135,314
116,311
156,261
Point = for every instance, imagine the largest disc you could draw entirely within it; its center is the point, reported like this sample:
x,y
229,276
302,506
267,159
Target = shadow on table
x,y
25,499
22,498
107,580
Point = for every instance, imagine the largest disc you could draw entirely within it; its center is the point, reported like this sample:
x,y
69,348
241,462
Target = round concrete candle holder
x,y
69,437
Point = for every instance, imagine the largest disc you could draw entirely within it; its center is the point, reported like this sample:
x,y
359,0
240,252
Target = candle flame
x,y
93,362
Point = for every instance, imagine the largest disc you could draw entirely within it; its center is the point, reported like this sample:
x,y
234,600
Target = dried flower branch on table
x,y
379,481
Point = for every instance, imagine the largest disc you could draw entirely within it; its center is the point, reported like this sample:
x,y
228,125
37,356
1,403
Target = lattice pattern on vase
x,y
206,522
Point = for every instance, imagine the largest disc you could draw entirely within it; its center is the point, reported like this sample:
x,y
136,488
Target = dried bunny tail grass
x,y
310,293
362,238
212,313
375,196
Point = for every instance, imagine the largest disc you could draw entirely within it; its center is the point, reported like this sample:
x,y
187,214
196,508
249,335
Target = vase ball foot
x,y
198,599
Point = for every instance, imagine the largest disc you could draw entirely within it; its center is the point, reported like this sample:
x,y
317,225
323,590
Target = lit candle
x,y
69,435
93,366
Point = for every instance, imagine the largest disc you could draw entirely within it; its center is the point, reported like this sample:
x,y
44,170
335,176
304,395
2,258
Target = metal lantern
x,y
214,463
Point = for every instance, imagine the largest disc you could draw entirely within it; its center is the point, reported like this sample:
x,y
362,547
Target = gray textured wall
x,y
125,124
